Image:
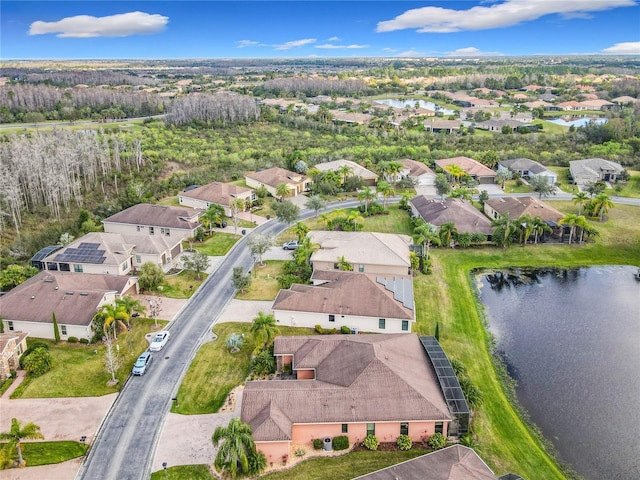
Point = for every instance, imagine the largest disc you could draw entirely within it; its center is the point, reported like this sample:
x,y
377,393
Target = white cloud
x,y
333,46
85,26
333,39
391,50
497,15
248,43
410,53
472,52
624,48
294,44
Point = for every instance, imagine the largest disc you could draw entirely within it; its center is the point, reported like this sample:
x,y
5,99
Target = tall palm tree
x,y
326,218
366,195
448,232
212,216
602,204
539,228
30,431
301,231
131,305
581,223
387,191
503,231
454,171
526,227
302,254
236,447
393,169
282,190
427,235
581,199
237,206
114,315
356,218
570,220
264,330
345,171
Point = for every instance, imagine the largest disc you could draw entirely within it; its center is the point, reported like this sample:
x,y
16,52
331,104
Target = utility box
x,y
326,444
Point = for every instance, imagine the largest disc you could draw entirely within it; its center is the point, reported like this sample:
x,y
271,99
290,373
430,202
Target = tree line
x,y
221,108
313,86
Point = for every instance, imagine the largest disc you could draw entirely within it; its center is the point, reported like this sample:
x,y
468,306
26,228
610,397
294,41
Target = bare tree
x,y
112,359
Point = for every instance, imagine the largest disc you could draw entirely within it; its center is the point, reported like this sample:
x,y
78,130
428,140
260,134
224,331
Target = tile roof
x,y
358,170
216,192
472,167
359,378
157,216
382,248
463,214
74,297
276,175
416,168
519,206
345,293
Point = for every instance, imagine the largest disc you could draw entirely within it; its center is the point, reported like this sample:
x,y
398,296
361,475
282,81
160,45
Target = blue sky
x,y
268,29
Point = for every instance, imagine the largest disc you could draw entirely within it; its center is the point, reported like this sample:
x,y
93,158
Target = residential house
x,y
147,219
73,297
113,253
479,172
385,253
418,171
597,104
625,100
368,177
452,463
528,168
215,193
465,217
272,177
516,207
350,385
361,301
437,125
498,125
340,116
12,346
572,106
594,170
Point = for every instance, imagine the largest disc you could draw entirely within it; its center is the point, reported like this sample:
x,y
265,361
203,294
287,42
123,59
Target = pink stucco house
x,y
345,385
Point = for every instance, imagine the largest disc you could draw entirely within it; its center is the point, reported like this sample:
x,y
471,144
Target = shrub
x,y
472,394
317,444
404,442
31,348
437,441
371,442
341,442
467,440
263,363
344,329
300,452
319,329
72,339
38,362
84,341
234,342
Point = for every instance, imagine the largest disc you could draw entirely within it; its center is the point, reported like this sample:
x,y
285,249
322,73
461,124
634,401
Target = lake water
x,y
577,122
411,102
571,338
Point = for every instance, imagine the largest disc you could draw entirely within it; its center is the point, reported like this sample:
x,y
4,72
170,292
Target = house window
x,y
439,427
336,266
381,323
124,266
332,318
405,325
10,325
138,259
77,268
167,232
63,329
361,268
138,228
404,428
152,231
64,267
345,428
371,428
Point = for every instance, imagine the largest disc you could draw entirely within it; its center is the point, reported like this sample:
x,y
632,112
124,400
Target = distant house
x,y
528,168
422,174
598,104
385,253
12,346
272,177
452,463
74,297
460,212
516,207
366,302
498,125
340,116
625,100
479,172
594,170
368,177
215,193
438,125
148,219
350,385
572,106
113,253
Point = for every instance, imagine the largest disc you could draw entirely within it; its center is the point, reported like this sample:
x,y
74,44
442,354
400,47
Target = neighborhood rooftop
x,y
216,192
276,175
157,215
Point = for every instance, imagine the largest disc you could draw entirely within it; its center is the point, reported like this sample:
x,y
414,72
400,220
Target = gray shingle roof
x,y
157,216
518,206
276,175
523,164
216,192
464,216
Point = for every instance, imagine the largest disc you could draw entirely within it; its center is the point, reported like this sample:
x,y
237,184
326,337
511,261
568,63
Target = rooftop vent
x,y
68,293
84,294
33,297
48,280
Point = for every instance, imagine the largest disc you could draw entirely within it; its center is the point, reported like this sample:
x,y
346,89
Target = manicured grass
x,y
631,189
264,285
46,453
6,384
78,372
214,371
184,472
396,221
563,179
178,286
346,466
550,127
218,244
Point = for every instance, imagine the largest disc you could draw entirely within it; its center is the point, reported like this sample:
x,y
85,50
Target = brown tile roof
x,y
519,206
452,463
357,170
74,297
157,216
469,165
463,214
276,175
346,293
359,378
216,192
416,168
438,123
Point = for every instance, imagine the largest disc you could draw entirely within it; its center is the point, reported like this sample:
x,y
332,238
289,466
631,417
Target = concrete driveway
x,y
244,310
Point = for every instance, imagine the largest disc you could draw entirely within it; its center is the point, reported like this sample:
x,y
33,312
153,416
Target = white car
x,y
159,341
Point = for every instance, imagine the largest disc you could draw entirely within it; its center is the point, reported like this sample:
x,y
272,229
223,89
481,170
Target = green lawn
x,y
264,285
550,127
182,285
184,472
397,221
631,189
79,372
46,453
218,244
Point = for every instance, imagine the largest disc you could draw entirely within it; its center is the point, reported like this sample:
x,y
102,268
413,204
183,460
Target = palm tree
x,y
387,191
503,231
282,190
454,171
131,305
366,195
393,169
539,228
581,223
344,265
570,220
236,447
212,216
30,431
264,329
448,232
301,231
427,235
326,218
602,204
303,253
581,199
526,227
345,170
115,315
356,218
237,206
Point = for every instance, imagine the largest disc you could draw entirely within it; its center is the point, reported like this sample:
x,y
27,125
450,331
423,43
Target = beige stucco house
x,y
360,301
368,177
215,193
345,385
422,174
479,172
594,170
465,217
272,177
158,220
12,346
74,297
368,252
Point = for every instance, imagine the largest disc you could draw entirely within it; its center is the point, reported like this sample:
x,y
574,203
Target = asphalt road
x,y
125,445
